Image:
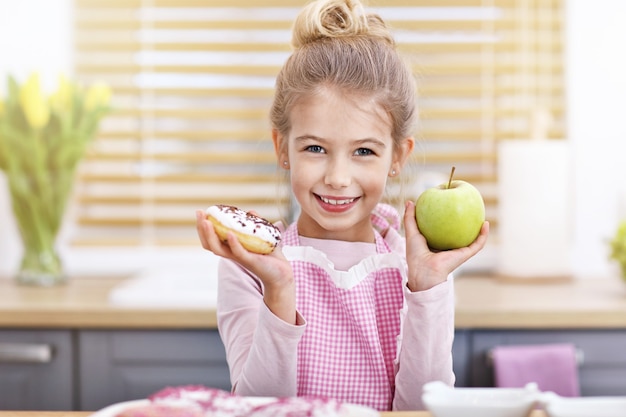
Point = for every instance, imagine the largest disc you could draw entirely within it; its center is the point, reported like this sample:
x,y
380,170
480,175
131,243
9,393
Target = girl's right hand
x,y
428,268
274,270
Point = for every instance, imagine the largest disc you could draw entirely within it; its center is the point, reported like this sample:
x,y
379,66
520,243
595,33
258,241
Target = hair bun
x,y
336,18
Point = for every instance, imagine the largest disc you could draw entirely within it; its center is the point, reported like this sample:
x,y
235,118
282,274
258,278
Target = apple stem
x,y
451,175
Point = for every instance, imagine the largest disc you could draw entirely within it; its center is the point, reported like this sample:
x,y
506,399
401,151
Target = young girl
x,y
345,307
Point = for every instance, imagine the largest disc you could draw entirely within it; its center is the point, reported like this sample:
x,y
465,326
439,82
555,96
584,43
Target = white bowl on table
x,y
443,400
599,406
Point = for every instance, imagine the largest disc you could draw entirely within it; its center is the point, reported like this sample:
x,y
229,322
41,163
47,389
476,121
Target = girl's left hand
x,y
428,268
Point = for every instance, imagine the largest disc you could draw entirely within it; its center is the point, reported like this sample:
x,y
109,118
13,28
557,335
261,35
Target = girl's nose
x,y
338,175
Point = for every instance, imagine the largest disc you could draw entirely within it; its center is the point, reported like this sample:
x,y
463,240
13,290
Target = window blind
x,y
193,82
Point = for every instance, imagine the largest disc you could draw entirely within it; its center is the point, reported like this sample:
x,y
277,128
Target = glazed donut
x,y
253,232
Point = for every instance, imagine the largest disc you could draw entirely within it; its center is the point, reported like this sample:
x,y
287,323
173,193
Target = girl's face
x,y
340,153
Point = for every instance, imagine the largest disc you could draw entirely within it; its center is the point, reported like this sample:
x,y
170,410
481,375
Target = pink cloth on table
x,y
552,366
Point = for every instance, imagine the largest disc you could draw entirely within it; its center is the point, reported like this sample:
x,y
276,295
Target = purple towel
x,y
552,366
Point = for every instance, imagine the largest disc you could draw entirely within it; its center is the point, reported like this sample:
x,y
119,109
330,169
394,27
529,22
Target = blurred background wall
x,y
596,74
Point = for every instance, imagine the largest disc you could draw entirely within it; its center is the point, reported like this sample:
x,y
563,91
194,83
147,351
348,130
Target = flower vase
x,y
38,201
41,266
42,140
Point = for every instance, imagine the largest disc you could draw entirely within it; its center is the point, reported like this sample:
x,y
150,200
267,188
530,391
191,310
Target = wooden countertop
x,y
579,303
536,413
482,302
86,414
84,303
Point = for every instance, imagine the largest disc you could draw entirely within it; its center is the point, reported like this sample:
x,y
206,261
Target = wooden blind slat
x,y
128,44
191,157
92,24
261,113
85,4
164,200
182,178
292,3
191,135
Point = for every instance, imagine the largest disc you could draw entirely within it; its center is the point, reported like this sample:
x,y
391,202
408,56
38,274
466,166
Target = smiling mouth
x,y
337,202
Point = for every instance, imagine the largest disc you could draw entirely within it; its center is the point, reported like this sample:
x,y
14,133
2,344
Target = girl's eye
x,y
363,152
314,149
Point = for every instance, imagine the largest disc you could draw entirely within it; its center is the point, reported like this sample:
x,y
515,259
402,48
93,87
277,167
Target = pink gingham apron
x,y
353,322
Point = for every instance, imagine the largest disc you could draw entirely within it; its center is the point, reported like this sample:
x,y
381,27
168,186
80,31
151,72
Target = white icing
x,y
239,220
218,403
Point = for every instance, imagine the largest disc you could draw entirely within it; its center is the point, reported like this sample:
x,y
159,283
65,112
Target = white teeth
x,y
337,202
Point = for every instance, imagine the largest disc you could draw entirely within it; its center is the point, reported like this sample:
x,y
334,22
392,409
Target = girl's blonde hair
x,y
337,44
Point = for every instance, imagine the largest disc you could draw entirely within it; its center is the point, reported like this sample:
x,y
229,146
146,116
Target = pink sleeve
x,y
261,349
425,348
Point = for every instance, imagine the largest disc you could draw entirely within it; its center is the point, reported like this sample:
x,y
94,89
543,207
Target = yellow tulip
x,y
61,100
98,95
33,103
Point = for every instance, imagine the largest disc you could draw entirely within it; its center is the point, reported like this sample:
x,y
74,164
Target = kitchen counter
x,y
584,303
482,302
536,413
84,303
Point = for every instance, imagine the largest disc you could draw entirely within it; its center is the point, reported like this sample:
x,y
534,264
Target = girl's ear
x,y
276,139
279,147
403,152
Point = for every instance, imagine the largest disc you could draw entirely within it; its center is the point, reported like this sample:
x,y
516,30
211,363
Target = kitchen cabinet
x,y
36,370
122,365
461,357
90,369
85,369
602,365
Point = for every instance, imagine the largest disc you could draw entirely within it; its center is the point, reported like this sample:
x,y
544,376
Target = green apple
x,y
450,215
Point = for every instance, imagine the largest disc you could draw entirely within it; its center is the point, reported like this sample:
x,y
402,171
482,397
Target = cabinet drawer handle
x,y
25,353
